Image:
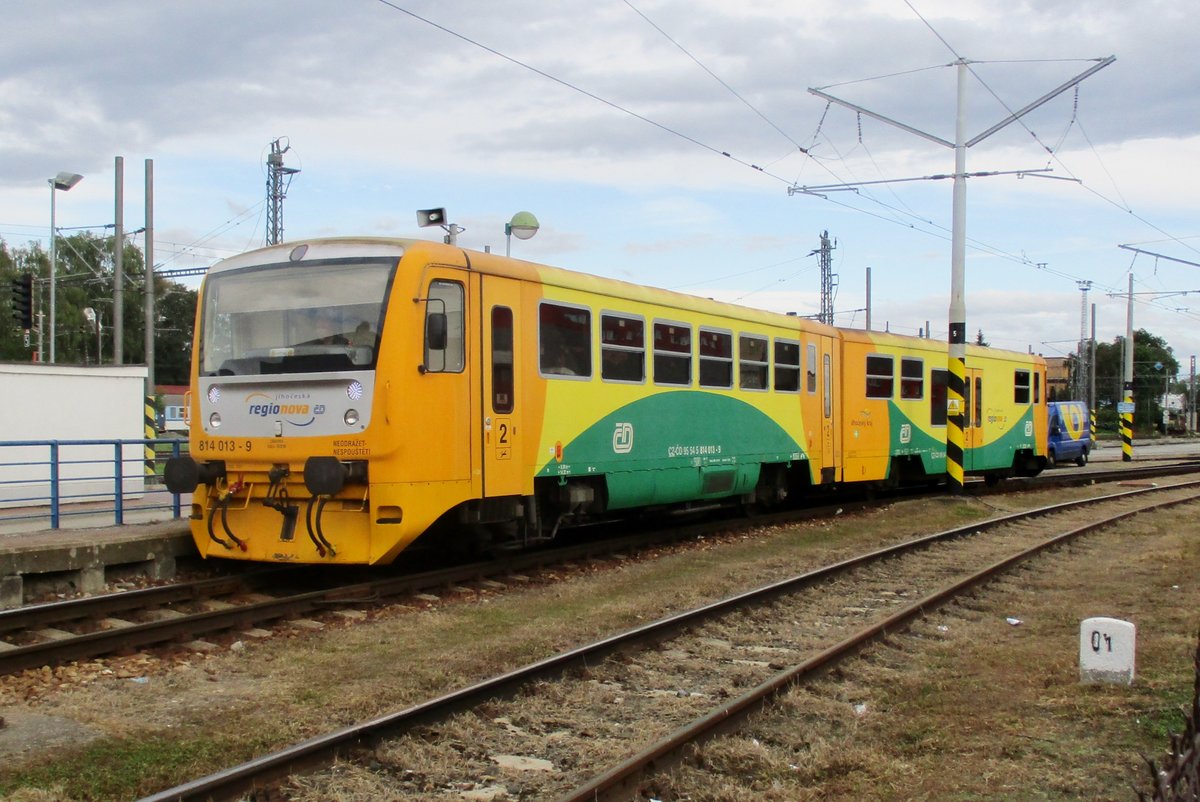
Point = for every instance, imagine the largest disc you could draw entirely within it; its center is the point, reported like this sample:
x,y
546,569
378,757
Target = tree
x,y
84,278
979,340
1149,351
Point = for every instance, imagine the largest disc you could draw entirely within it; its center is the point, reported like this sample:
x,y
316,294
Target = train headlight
x,y
214,420
351,417
354,390
214,394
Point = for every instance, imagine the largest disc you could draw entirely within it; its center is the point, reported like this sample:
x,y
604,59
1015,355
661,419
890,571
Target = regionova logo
x,y
290,407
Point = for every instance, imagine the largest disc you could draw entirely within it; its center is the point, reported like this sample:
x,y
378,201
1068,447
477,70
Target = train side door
x,y
501,373
973,418
830,451
436,427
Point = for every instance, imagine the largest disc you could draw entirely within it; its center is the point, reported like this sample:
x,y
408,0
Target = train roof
x,y
496,264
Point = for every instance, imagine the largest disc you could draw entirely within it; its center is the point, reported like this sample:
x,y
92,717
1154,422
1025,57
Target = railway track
x,y
183,614
614,711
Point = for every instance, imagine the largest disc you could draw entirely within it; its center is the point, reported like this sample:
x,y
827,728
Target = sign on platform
x,y
1106,650
1125,407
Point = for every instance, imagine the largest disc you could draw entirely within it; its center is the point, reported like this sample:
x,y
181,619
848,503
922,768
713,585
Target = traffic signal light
x,y
22,290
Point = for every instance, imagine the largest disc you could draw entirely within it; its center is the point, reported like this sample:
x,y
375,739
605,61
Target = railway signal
x,y
22,300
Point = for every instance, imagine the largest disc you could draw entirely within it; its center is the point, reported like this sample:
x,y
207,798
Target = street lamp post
x,y
95,317
63,181
523,226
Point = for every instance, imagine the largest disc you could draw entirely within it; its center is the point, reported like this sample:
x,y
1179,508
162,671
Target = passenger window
x,y
444,348
880,376
502,360
912,379
564,340
937,397
812,370
753,367
622,349
672,353
1021,387
787,366
716,359
1037,387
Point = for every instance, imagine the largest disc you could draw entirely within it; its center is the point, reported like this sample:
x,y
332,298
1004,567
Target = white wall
x,y
56,402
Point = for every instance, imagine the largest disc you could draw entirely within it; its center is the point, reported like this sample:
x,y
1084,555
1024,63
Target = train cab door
x,y
973,418
501,371
435,428
830,440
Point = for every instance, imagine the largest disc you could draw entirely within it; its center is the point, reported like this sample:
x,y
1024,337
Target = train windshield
x,y
316,317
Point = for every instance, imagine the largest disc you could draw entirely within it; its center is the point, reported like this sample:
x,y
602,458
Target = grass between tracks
x,y
982,700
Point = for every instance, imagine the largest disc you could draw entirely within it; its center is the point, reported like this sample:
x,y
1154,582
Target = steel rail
x,y
670,751
151,633
322,750
32,616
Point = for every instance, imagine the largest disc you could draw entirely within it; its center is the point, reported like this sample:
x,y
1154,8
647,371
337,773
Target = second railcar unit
x,y
895,412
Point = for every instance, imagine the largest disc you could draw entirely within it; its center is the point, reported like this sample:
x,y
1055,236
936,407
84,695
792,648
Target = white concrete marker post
x,y
1106,650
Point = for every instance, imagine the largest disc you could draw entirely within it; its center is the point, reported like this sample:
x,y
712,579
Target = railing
x,y
50,482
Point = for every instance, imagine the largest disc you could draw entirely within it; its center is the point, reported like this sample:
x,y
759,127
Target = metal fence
x,y
59,483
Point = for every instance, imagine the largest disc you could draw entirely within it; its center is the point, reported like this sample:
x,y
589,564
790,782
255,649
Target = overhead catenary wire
x,y
745,162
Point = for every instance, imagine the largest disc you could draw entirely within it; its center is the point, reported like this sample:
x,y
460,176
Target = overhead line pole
x,y
957,414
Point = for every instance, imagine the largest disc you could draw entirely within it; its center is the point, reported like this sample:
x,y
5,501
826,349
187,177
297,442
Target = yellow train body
x,y
492,399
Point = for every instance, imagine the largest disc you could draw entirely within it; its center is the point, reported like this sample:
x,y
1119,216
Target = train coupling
x,y
326,476
184,474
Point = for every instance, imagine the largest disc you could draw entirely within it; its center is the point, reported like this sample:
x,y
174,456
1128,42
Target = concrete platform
x,y
84,560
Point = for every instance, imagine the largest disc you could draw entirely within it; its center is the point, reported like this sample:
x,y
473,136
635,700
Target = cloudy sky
x,y
655,140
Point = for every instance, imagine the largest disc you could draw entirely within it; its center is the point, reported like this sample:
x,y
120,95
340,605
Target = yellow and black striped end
x,y
151,432
1127,433
1093,425
956,423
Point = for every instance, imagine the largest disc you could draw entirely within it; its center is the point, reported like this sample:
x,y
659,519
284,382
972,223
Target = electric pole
x,y
828,278
957,416
279,178
1082,367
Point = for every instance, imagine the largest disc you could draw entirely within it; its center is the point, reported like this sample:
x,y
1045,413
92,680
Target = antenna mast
x,y
279,178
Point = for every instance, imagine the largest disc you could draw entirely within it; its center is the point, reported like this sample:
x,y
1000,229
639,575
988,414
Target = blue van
x,y
1070,432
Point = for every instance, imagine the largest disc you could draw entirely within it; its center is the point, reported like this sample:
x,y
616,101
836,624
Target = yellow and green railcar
x,y
895,413
350,395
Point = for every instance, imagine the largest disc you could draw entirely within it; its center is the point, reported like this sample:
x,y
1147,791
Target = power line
x,y
562,82
715,77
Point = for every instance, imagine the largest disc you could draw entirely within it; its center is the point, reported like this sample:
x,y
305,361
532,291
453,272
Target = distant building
x,y
1058,379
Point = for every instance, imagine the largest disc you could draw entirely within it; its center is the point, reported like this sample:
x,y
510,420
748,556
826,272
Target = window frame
x,y
908,381
787,368
939,397
503,370
454,346
720,362
877,378
587,369
1020,389
614,348
661,355
763,365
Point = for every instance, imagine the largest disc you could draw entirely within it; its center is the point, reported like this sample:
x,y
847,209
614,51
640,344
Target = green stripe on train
x,y
677,446
997,455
